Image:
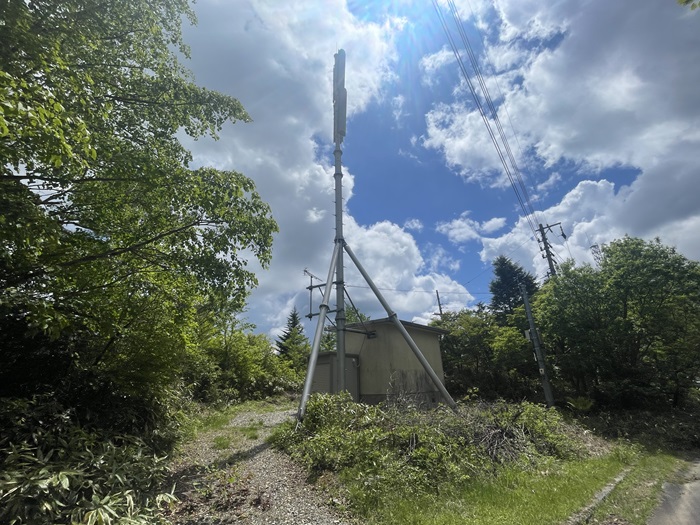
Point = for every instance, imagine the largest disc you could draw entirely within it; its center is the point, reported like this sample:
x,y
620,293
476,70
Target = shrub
x,y
393,450
52,470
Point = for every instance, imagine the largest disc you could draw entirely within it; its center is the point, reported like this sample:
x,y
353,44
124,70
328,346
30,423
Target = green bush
x,y
543,428
52,470
379,451
236,368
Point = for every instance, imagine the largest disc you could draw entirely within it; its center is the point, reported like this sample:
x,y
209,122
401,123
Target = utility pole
x,y
597,254
548,247
535,338
439,303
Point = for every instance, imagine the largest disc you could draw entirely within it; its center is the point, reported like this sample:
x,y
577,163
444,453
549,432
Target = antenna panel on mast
x,y
340,97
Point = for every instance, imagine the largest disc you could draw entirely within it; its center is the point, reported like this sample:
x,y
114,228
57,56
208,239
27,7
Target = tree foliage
x,y
629,330
111,246
293,345
625,333
693,4
479,355
506,295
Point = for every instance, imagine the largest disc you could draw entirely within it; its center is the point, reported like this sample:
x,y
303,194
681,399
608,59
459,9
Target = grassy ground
x,y
217,418
495,464
548,492
633,501
525,498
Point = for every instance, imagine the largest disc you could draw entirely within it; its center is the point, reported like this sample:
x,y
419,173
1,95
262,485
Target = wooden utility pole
x,y
535,338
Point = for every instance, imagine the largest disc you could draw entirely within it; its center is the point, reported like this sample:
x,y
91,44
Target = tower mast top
x,y
340,98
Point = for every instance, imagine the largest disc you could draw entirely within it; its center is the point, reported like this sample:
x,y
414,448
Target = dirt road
x,y
681,501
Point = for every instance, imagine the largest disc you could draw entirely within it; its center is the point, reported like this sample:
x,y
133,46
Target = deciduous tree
x,y
110,242
629,329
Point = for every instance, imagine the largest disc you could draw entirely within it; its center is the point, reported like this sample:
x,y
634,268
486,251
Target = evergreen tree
x,y
294,326
293,346
505,288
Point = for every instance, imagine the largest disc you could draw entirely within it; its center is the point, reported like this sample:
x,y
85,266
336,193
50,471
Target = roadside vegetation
x,y
124,273
489,463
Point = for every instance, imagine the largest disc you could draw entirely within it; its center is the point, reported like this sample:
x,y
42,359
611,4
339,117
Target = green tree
x,y
110,244
692,3
654,300
479,354
572,311
293,326
467,353
293,345
514,361
505,287
629,329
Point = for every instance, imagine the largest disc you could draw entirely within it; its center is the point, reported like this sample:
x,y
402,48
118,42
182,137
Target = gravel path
x,y
233,476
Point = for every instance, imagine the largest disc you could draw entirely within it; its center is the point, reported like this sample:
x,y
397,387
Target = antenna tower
x,y
336,267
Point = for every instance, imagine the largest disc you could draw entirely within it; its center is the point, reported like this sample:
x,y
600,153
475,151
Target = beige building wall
x,y
388,367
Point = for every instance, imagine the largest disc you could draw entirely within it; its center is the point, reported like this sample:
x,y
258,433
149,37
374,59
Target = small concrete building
x,y
380,364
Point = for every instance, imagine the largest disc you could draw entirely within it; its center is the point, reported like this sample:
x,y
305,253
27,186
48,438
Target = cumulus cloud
x,y
595,87
396,265
277,60
588,88
464,229
431,64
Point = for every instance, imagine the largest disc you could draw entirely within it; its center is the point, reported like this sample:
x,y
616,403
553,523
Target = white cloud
x,y
277,59
431,64
396,266
594,86
439,258
397,105
464,229
460,134
550,183
493,225
413,224
582,223
315,215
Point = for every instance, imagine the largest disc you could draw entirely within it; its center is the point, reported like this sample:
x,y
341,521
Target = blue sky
x,y
599,100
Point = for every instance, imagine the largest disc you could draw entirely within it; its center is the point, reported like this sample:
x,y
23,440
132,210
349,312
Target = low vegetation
x,y
57,471
488,463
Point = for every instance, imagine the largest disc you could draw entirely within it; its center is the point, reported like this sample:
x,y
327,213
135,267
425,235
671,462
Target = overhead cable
x,y
503,149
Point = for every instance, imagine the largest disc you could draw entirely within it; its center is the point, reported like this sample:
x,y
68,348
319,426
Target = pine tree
x,y
505,287
294,326
293,346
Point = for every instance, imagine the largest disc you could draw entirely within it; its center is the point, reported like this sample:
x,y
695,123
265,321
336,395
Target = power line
x,y
503,149
410,291
504,152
